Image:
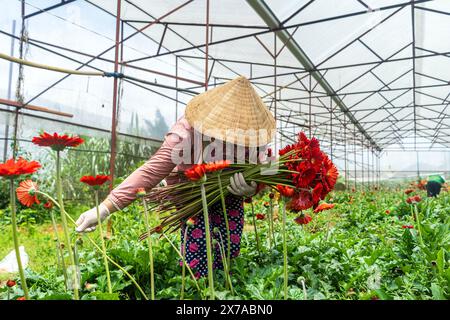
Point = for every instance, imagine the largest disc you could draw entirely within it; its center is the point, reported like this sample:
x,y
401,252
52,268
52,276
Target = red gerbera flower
x,y
216,166
407,227
285,191
26,193
57,142
306,174
408,191
330,173
12,168
303,219
21,298
159,229
96,181
260,216
324,206
196,172
413,200
388,211
300,201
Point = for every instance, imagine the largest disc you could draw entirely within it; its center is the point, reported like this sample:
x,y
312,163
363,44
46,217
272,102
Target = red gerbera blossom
x,y
196,172
96,181
260,216
330,173
159,229
407,227
408,191
216,166
303,219
285,191
388,211
324,206
300,201
12,168
26,193
413,200
306,174
57,142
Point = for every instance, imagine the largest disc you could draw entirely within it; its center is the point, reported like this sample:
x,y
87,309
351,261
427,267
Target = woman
x,y
434,185
236,125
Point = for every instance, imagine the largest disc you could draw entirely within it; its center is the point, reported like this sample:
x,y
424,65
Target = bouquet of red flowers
x,y
304,174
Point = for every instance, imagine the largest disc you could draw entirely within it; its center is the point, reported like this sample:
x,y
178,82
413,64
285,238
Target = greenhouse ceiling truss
x,y
347,135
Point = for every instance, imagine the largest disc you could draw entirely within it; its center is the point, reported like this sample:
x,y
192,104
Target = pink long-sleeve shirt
x,y
161,165
158,167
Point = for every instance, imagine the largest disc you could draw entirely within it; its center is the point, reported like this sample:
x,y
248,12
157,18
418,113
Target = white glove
x,y
87,221
239,186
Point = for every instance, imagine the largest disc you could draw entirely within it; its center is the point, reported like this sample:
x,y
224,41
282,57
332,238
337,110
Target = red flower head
x,y
285,191
324,206
300,201
159,229
266,204
96,181
271,195
306,174
407,227
26,193
190,222
408,191
10,283
196,172
48,205
12,168
21,298
413,200
303,219
216,166
260,216
330,173
248,200
388,211
57,142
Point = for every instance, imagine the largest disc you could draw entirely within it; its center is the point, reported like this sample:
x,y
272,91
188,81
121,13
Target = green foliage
x,y
355,251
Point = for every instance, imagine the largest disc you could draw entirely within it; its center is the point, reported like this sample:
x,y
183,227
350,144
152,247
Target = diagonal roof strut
x,y
267,15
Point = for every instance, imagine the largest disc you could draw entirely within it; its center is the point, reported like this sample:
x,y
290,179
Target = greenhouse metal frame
x,y
408,107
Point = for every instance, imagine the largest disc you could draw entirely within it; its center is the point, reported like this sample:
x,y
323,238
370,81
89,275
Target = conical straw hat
x,y
232,112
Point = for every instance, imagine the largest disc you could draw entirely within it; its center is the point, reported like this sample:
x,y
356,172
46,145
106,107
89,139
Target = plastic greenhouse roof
x,y
353,72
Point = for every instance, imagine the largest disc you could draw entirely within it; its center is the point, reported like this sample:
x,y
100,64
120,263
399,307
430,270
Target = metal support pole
x,y
331,128
354,153
206,45
115,95
362,162
11,65
345,154
176,86
310,108
275,87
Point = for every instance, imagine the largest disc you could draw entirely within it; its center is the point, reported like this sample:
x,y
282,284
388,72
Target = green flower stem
x,y
64,222
183,271
222,199
59,251
285,261
209,256
258,247
150,251
97,247
12,201
226,269
419,227
271,222
102,241
184,261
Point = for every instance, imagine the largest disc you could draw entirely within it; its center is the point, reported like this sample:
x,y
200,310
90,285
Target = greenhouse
x,y
354,95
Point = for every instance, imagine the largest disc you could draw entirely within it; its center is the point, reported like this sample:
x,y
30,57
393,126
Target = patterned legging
x,y
196,239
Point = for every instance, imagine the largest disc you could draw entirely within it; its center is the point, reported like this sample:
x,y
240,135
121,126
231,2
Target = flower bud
x,y
190,222
140,192
10,283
